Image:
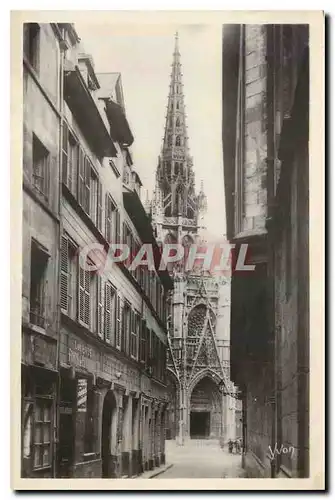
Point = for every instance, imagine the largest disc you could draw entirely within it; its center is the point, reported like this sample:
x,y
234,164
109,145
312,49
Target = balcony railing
x,y
37,314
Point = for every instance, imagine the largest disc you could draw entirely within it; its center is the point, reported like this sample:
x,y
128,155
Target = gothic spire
x,y
175,176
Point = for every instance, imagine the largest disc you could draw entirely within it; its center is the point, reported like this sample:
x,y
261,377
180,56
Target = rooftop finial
x,y
176,38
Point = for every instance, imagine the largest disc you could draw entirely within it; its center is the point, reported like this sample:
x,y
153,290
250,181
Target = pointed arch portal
x,y
205,410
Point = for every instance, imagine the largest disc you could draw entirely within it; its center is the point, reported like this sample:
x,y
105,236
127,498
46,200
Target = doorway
x,y
200,424
106,454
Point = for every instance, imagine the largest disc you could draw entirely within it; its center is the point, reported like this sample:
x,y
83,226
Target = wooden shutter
x,y
64,274
99,307
118,325
84,296
99,206
81,177
108,312
65,153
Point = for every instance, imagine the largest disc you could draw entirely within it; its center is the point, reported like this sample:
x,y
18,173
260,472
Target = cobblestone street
x,y
201,459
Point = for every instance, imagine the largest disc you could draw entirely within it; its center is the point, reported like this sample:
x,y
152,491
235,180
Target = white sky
x,y
143,56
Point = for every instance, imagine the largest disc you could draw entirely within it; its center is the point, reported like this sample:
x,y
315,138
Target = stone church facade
x,y
202,398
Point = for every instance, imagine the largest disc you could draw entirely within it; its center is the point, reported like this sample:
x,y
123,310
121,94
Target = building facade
x,y
265,144
202,398
40,248
94,387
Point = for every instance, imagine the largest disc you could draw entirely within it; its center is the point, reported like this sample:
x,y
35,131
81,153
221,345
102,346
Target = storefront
x,y
38,404
111,415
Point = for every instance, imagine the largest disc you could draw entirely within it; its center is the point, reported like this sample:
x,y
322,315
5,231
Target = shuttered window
x,y
134,334
100,324
68,277
84,301
118,322
110,314
64,274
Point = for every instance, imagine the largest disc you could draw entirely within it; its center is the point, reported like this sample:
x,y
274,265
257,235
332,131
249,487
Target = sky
x,y
143,56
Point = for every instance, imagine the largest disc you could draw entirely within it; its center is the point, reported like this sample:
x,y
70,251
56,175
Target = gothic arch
x,y
206,372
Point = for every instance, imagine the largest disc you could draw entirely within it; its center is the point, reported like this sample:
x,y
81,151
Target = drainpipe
x,y
270,46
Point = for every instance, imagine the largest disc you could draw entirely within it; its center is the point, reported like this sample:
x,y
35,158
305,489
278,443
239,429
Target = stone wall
x,y
255,140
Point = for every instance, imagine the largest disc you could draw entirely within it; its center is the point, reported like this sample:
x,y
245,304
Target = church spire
x,y
175,176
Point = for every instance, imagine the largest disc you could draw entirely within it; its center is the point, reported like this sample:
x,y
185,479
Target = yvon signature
x,y
283,450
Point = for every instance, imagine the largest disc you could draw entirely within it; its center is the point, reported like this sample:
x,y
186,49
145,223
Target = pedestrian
x,y
230,446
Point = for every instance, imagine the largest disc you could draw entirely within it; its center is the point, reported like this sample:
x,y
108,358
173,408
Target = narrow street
x,y
200,459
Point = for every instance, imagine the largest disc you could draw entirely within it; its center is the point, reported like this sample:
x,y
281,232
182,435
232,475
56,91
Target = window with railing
x,y
38,268
41,166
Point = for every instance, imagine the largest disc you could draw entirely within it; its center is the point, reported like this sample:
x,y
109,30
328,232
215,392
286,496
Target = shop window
x,y
32,44
41,161
38,269
42,433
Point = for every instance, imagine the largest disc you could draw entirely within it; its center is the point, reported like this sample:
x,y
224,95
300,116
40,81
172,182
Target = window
x,y
112,219
178,141
32,44
143,347
70,159
170,140
178,122
93,181
177,105
128,240
38,268
42,433
134,334
84,302
126,325
118,316
41,158
68,277
110,313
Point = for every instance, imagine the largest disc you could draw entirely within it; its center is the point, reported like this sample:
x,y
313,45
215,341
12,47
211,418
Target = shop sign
x,y
82,395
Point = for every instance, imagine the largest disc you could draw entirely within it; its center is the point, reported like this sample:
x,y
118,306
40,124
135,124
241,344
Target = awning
x,y
87,114
140,219
120,129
